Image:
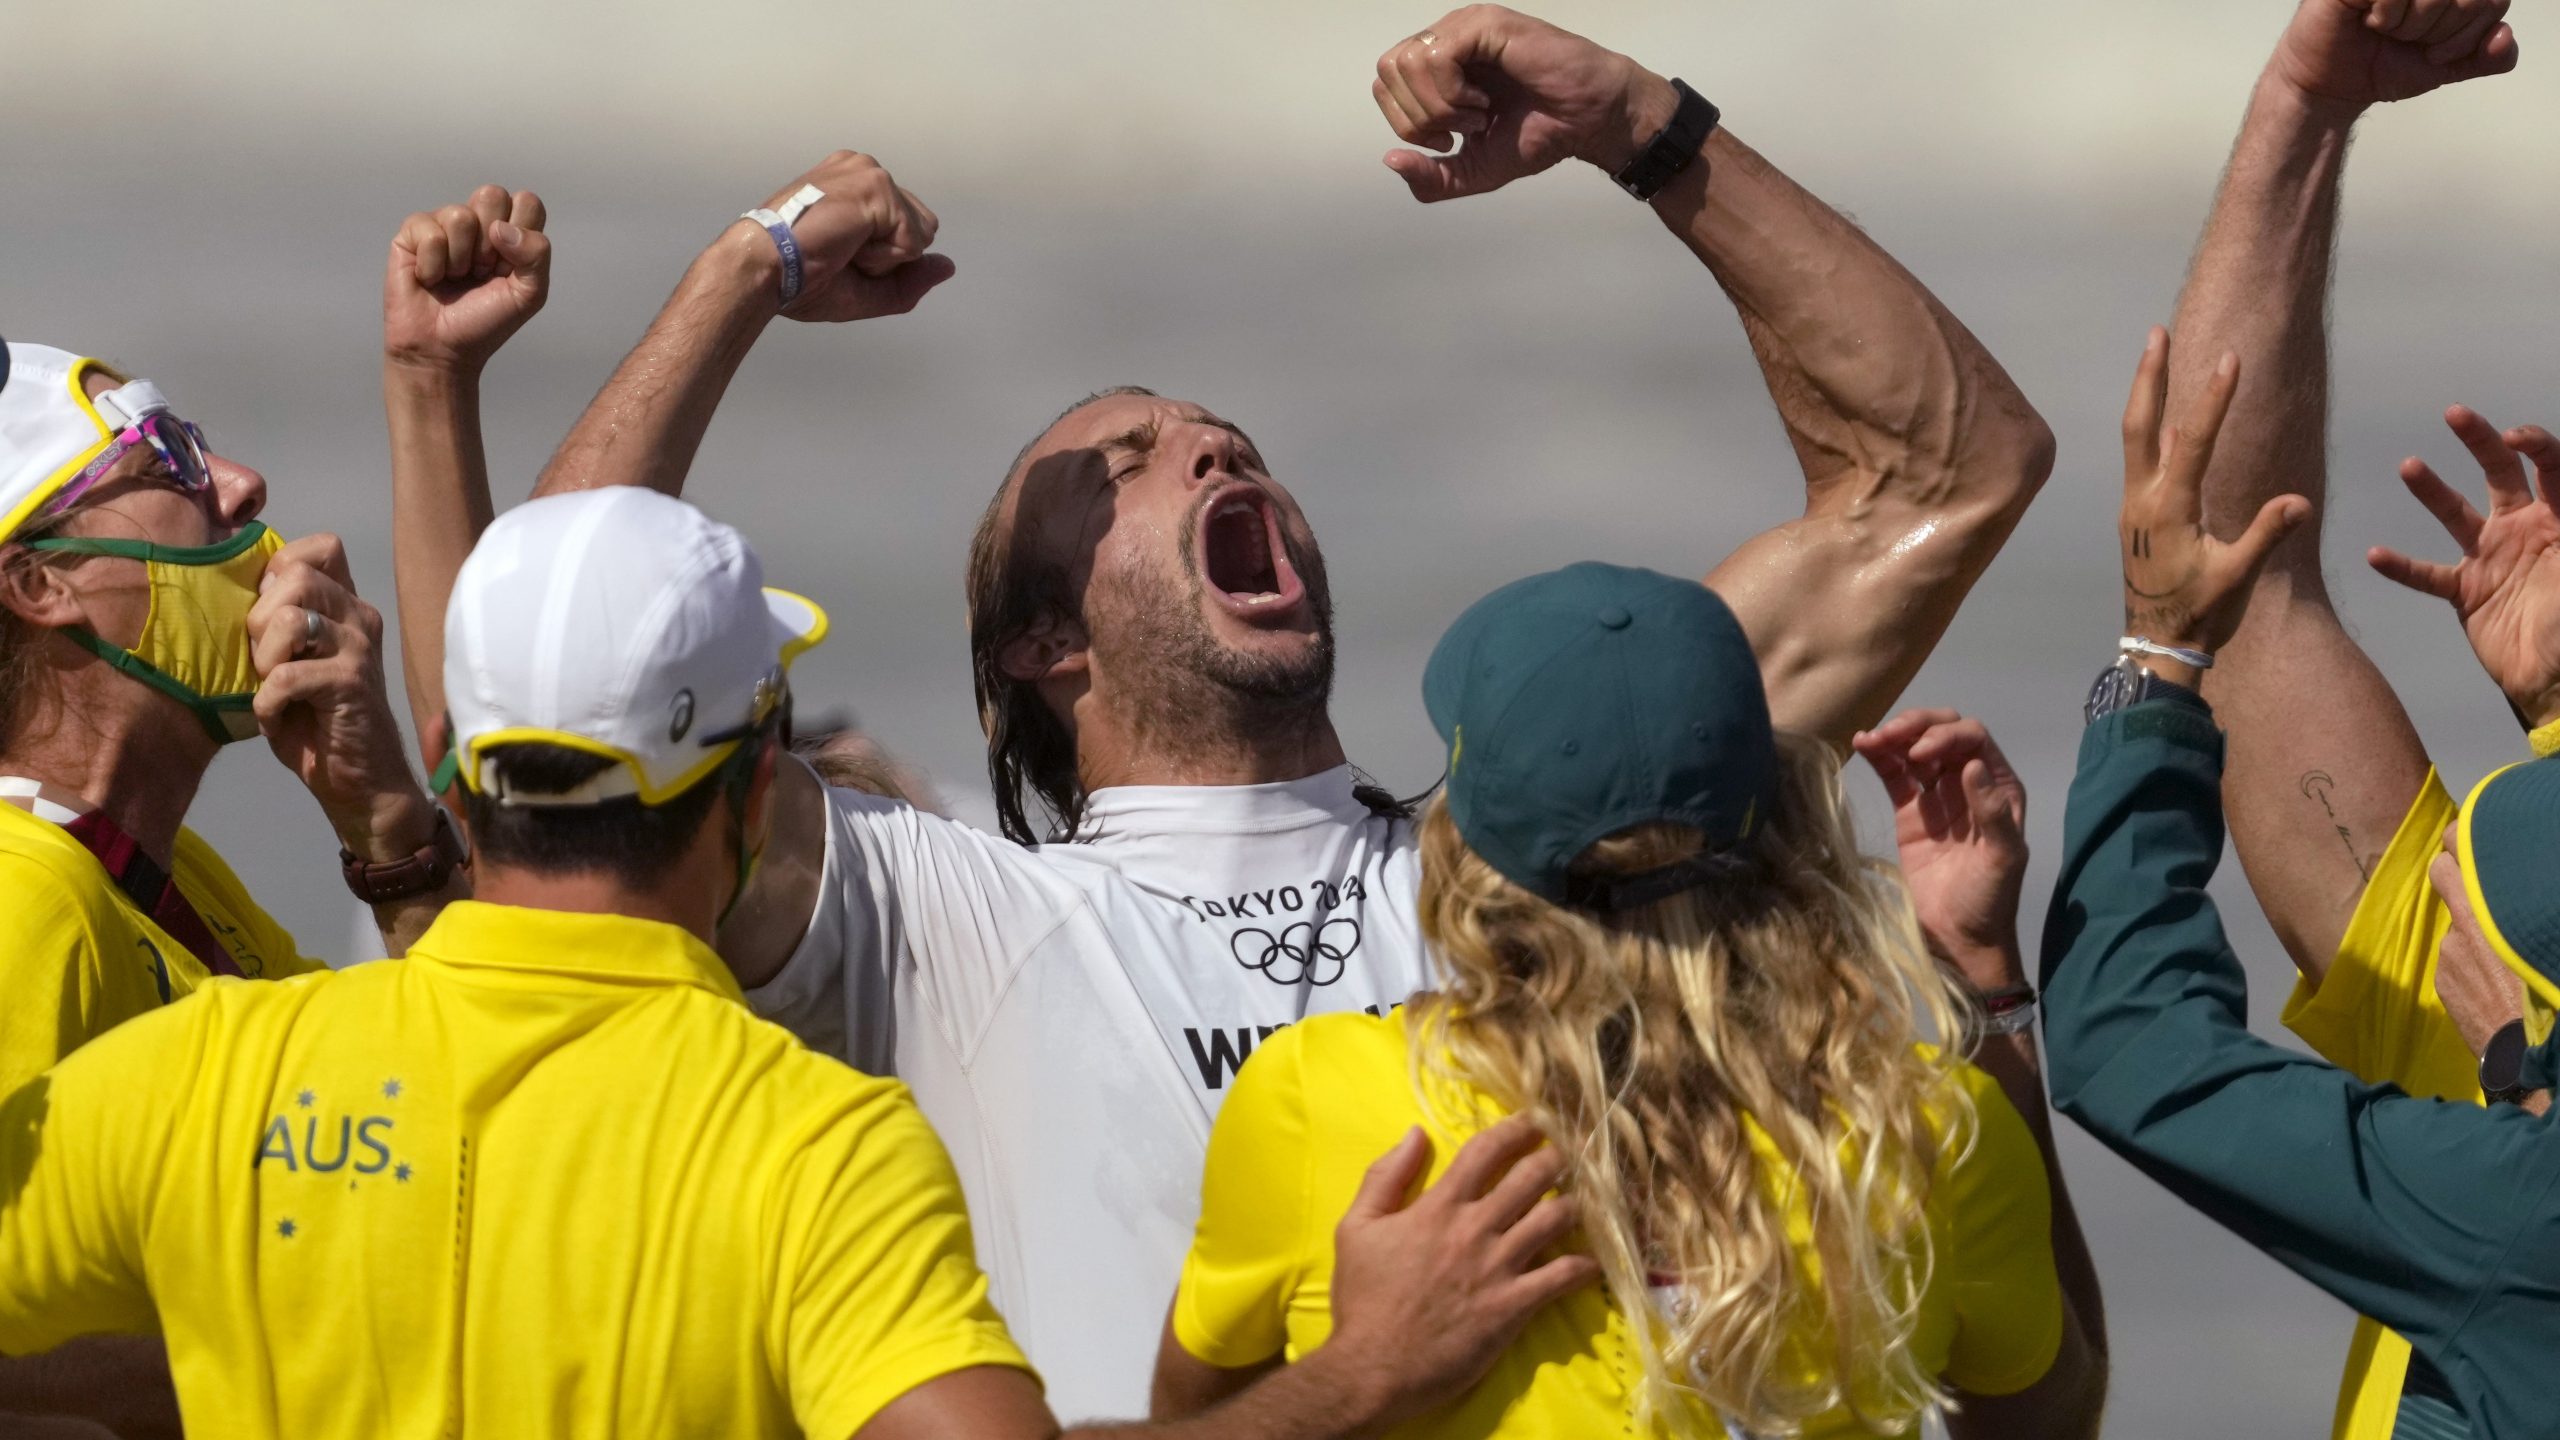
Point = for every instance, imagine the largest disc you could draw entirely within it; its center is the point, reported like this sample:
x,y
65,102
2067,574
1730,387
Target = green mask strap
x,y
215,713
448,770
213,554
741,779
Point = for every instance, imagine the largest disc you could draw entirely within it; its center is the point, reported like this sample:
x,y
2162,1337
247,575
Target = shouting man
x,y
1151,636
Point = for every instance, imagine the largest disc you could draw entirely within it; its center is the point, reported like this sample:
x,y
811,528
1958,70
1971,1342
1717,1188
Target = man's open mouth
x,y
1242,557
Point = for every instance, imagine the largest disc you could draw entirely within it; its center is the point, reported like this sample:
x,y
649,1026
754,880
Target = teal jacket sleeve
x,y
2436,1219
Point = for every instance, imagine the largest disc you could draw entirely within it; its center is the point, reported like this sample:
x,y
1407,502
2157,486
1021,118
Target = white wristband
x,y
778,224
2137,645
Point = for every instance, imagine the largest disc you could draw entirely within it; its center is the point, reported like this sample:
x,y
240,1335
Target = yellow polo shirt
x,y
2377,1015
77,957
1321,1100
545,1176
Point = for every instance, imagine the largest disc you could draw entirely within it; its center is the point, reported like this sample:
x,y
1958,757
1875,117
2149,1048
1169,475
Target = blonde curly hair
x,y
1710,1065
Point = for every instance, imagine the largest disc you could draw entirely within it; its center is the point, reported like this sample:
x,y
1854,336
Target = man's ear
x,y
1051,647
36,592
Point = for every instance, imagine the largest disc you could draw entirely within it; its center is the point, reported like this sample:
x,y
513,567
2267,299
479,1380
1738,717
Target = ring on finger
x,y
310,629
1426,38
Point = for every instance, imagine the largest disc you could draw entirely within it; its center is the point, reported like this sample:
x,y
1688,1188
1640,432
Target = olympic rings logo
x,y
1305,953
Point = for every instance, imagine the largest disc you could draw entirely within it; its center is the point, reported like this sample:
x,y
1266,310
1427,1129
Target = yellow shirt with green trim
x,y
545,1176
2377,1015
77,958
1321,1100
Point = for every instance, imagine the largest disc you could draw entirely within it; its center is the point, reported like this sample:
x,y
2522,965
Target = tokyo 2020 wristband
x,y
1673,148
778,223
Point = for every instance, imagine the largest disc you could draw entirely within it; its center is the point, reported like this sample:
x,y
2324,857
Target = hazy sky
x,y
1189,197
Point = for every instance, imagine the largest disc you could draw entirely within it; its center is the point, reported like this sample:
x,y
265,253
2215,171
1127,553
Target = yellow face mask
x,y
194,646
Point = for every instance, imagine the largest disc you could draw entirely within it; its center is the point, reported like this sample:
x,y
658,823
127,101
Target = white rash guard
x,y
1069,1017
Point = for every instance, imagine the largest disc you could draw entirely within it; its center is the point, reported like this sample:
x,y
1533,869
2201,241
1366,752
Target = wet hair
x,y
634,843
1031,756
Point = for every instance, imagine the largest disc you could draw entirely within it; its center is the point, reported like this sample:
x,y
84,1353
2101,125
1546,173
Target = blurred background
x,y
1189,196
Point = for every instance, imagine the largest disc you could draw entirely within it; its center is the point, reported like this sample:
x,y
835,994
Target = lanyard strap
x,y
136,875
151,889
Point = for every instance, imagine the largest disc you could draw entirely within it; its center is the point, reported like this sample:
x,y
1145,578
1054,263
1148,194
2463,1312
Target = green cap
x,y
1587,700
2506,838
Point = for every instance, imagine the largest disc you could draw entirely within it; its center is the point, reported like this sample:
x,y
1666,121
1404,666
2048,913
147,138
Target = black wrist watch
x,y
2502,1065
1672,148
2127,683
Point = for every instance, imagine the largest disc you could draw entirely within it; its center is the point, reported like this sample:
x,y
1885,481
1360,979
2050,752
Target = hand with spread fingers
x,y
1959,824
1521,93
864,244
2506,587
2183,587
322,702
2356,53
1428,1293
463,279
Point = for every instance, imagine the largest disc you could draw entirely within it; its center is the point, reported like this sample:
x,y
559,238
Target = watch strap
x,y
1673,147
423,871
2541,1067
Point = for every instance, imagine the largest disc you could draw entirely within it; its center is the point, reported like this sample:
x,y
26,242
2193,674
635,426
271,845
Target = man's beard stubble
x,y
1187,695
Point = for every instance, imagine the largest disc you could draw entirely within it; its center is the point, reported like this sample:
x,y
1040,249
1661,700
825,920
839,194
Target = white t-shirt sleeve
x,y
949,909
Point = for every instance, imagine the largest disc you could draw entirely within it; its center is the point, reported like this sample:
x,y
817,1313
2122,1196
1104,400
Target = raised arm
x,y
1919,453
2415,1213
1959,816
460,282
2314,792
862,253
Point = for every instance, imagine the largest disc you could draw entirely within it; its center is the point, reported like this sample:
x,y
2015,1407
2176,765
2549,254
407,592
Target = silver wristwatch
x,y
2129,682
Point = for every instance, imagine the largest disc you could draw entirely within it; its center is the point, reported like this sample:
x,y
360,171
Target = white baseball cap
x,y
49,430
623,623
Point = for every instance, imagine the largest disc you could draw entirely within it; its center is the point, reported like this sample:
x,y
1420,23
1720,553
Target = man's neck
x,y
688,896
1108,756
138,771
588,893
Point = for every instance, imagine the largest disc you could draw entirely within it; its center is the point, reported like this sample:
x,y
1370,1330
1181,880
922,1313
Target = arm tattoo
x,y
2317,784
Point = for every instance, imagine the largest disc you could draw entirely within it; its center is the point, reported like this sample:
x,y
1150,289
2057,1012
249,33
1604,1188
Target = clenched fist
x,y
464,279
1523,94
2361,52
862,247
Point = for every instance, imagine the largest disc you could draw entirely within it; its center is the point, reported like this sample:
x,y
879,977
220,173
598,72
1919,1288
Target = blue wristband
x,y
786,242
